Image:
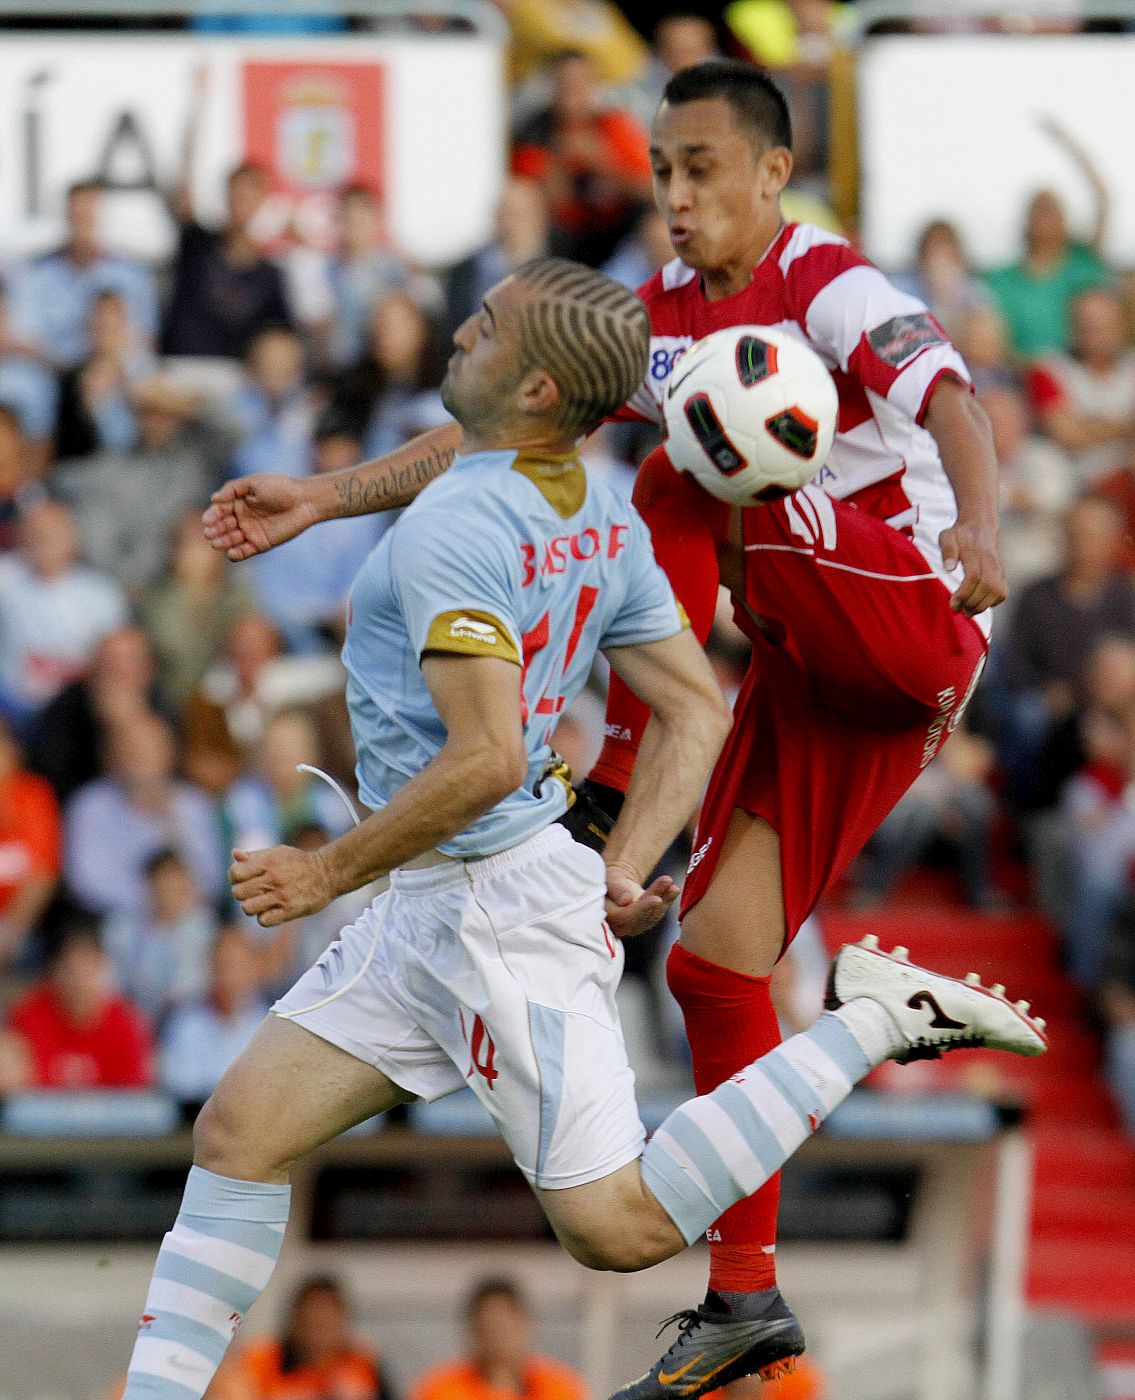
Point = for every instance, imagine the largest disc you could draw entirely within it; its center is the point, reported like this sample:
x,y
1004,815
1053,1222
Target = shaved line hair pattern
x,y
590,333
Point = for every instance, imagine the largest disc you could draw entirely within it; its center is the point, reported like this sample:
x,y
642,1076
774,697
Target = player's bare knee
x,y
622,1231
609,1253
222,1142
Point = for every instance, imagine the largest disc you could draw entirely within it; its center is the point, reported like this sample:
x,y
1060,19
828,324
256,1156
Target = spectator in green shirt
x,y
1034,294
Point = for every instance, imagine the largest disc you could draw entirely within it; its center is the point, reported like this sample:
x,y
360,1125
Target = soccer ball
x,y
750,413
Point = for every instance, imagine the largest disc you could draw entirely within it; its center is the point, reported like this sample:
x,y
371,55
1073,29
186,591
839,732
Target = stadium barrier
x,y
918,1294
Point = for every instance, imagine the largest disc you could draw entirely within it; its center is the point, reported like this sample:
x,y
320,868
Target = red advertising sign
x,y
316,127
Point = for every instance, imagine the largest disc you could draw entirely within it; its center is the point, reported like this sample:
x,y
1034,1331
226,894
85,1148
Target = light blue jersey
x,y
502,556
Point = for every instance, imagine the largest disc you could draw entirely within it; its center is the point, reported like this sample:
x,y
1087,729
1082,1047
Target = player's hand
x,y
974,547
630,908
279,884
253,514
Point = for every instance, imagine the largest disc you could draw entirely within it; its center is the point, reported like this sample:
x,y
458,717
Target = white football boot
x,y
934,1013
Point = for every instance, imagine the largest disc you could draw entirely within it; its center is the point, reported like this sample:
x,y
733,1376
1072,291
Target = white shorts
x,y
497,973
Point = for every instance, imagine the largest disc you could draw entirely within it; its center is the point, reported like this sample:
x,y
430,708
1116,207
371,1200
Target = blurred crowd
x,y
156,702
320,1352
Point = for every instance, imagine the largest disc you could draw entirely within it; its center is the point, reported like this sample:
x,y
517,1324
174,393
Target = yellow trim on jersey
x,y
683,616
559,478
470,632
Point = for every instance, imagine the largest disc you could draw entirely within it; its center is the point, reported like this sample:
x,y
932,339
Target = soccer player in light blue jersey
x,y
493,958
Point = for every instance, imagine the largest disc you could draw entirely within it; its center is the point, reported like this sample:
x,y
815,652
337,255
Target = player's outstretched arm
x,y
689,723
482,761
959,425
253,514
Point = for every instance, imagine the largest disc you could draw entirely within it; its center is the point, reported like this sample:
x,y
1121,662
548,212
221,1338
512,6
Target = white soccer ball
x,y
750,413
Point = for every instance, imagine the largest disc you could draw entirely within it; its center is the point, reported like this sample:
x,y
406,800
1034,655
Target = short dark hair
x,y
247,167
89,186
317,1283
77,929
501,1287
757,102
160,859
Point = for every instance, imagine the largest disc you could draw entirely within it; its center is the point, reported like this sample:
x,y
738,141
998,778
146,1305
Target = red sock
x,y
730,1022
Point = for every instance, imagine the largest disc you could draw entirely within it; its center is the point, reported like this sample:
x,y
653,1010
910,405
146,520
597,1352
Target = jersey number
x,y
537,639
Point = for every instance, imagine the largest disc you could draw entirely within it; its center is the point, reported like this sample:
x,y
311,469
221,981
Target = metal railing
x,y
482,16
866,14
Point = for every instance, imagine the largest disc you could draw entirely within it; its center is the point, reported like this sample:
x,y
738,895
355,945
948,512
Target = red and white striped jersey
x,y
885,352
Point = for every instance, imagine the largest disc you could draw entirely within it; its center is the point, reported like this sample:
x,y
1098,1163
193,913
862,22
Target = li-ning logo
x,y
473,631
698,856
147,1321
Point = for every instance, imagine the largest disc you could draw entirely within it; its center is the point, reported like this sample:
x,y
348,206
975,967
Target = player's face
x,y
484,367
718,193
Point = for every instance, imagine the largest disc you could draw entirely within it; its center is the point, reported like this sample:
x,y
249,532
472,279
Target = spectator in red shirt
x,y
1085,401
591,160
30,848
79,1032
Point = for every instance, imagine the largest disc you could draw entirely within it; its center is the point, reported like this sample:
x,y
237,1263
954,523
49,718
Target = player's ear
x,y
539,393
775,169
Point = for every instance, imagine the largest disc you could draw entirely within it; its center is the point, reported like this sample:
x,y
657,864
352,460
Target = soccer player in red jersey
x,y
865,596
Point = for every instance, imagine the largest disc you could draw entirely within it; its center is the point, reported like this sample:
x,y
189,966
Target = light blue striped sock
x,y
717,1149
212,1266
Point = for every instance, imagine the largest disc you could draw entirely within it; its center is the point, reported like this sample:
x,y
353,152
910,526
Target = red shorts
x,y
863,678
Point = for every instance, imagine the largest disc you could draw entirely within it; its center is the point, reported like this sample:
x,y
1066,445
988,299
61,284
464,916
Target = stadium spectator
x,y
521,233
16,469
951,801
318,1356
224,289
395,388
70,735
296,946
127,500
95,410
274,411
678,40
1098,811
303,585
782,35
268,805
544,30
1085,400
190,611
983,341
28,389
53,612
203,1037
31,842
52,297
644,250
1036,491
1034,293
358,276
1091,736
226,715
796,40
114,825
1056,624
499,1358
591,160
942,276
78,1031
160,954
1116,1006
